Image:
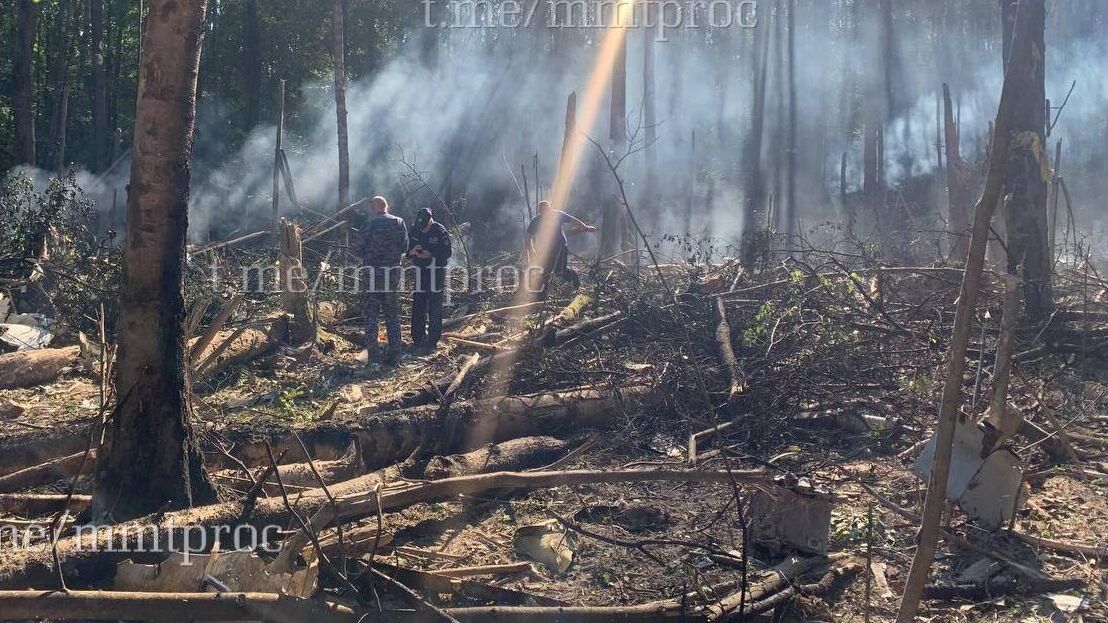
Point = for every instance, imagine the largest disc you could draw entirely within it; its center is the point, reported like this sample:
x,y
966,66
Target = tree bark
x,y
650,115
957,184
613,224
99,93
35,367
790,212
150,460
1028,171
23,96
295,299
67,10
755,186
252,64
338,57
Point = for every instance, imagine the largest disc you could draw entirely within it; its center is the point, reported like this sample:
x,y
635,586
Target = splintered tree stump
x,y
35,367
294,285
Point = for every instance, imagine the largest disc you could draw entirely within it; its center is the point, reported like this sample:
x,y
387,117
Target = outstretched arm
x,y
579,225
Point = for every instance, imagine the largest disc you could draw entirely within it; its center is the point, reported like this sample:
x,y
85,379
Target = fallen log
x,y
23,449
497,570
28,368
38,504
1000,587
773,581
645,613
48,472
449,323
91,554
511,454
1094,551
242,345
109,605
297,475
84,605
388,437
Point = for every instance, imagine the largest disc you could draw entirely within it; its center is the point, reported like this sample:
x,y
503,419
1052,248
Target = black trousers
x,y
427,308
559,265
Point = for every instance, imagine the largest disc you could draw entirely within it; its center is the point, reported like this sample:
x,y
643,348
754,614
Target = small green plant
x,y
853,528
286,405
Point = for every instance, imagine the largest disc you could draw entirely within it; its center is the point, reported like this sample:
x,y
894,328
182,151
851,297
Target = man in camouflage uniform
x,y
381,245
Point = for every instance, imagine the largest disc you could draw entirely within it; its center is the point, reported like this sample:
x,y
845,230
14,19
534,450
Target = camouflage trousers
x,y
382,306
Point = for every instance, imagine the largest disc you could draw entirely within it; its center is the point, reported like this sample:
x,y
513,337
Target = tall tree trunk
x,y
958,178
612,224
570,136
650,117
878,97
119,13
338,57
151,460
68,13
754,191
1028,171
99,95
779,140
252,64
790,212
23,96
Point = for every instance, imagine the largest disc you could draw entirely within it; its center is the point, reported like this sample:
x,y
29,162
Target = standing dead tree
x,y
150,460
1007,133
1027,168
958,181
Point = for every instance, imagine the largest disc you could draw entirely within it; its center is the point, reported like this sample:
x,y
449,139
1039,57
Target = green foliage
x,y
852,527
46,245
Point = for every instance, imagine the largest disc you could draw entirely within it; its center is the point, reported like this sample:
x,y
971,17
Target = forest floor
x,y
841,372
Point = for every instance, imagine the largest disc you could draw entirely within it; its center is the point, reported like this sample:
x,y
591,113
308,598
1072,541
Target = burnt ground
x,y
844,367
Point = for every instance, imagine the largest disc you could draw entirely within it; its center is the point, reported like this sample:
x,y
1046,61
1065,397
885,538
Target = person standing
x,y
429,249
381,246
548,244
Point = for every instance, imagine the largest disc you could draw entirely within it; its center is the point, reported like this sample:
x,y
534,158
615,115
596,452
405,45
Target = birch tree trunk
x,y
150,460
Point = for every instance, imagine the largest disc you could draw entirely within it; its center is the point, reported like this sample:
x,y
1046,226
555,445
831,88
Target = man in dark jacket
x,y
381,246
547,244
429,249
